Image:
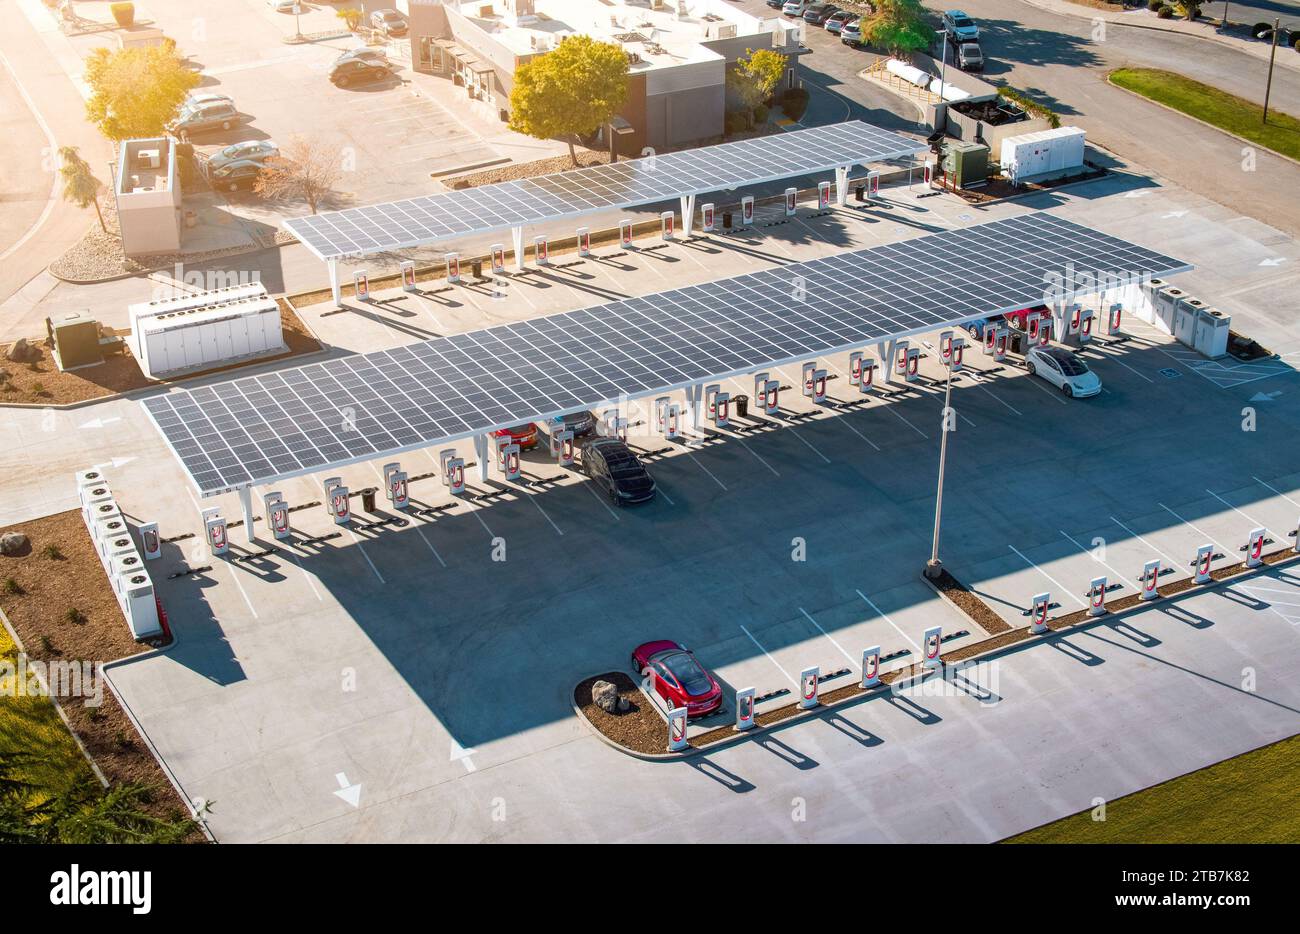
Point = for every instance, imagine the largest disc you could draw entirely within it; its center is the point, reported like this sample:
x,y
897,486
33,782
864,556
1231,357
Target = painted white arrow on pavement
x,y
1266,396
1175,214
460,754
1274,261
116,462
99,422
1135,194
349,793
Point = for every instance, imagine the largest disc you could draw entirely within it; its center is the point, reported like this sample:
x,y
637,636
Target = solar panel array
x,y
427,219
262,428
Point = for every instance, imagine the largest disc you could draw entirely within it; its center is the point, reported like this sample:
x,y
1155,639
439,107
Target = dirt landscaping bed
x,y
40,382
639,728
61,605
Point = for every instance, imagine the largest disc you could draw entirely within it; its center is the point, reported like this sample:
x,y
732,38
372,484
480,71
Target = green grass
x,y
1218,108
1248,799
30,724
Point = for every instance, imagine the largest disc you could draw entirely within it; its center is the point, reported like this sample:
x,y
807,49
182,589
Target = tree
x,y
569,92
899,26
136,92
80,186
756,77
351,17
304,170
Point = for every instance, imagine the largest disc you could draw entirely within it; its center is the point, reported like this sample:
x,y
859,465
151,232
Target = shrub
x,y
761,113
74,616
1165,13
47,644
1028,103
11,587
123,13
795,102
1155,5
52,552
736,122
38,388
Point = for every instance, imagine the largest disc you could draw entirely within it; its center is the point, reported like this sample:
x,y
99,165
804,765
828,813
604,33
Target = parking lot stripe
x,y
362,548
1102,563
745,445
1033,381
885,616
769,656
1200,531
475,513
1061,588
849,426
1275,490
1116,358
430,546
828,636
1172,562
691,455
533,500
234,573
809,446
1240,513
310,583
592,491
999,399
890,408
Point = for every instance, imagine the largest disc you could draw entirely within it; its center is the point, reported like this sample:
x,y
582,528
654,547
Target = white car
x,y
796,7
282,6
1064,370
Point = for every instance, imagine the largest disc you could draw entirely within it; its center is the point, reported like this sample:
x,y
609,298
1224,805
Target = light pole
x,y
934,567
1271,55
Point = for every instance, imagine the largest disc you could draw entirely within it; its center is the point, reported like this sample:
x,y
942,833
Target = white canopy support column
x,y
841,185
694,402
688,214
246,501
885,350
334,282
517,235
481,456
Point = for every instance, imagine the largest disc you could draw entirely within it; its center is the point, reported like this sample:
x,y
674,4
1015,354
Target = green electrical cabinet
x,y
966,164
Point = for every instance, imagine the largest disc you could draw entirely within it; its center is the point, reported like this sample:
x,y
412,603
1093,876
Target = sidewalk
x,y
1145,19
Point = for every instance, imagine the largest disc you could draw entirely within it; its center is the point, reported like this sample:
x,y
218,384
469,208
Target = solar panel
x,y
427,219
263,428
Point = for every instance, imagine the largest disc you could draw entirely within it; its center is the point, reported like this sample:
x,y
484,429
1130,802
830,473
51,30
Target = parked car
x,y
612,464
198,98
203,118
851,32
818,13
795,7
371,54
580,423
523,435
970,57
959,26
240,173
251,150
358,71
678,677
1064,370
836,21
282,6
389,22
776,4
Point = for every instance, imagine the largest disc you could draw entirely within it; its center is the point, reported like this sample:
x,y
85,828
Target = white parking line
x,y
769,656
1129,368
691,455
1201,531
1255,522
849,426
475,513
745,445
1033,381
430,545
808,615
608,508
362,549
310,583
533,500
1061,588
890,408
999,399
234,573
1275,490
809,446
1102,563
1172,562
883,615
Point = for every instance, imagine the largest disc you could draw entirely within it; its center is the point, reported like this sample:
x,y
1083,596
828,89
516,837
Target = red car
x,y
523,435
679,677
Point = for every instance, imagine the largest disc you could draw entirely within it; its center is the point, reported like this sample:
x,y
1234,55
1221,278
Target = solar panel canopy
x,y
430,218
263,428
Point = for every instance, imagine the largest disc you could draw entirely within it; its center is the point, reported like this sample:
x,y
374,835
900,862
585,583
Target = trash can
x,y
368,499
742,405
726,220
476,268
860,193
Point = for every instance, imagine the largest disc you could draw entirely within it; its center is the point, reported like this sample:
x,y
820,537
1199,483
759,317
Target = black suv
x,y
609,462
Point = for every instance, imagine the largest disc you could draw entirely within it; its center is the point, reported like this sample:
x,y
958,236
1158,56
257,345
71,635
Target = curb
x,y
1218,129
152,269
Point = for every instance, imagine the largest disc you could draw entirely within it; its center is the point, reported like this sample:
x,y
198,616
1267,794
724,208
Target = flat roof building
x,y
148,196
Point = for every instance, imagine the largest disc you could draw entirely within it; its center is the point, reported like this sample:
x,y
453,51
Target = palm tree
x,y
79,183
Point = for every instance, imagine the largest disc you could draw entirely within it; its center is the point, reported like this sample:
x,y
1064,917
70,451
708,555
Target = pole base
x,y
933,569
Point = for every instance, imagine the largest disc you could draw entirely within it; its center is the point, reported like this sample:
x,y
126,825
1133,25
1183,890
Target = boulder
x,y
13,544
605,696
22,352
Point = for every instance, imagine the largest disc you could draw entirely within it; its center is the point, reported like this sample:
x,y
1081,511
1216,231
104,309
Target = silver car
x,y
203,118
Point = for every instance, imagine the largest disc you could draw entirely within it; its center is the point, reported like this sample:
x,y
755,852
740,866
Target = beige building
x,y
678,52
148,196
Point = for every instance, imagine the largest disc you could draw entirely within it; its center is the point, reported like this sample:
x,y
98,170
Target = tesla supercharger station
x,y
772,397
408,275
900,358
958,353
1045,332
214,527
510,457
823,195
873,184
990,339
625,234
562,447
677,729
870,667
1074,320
1255,548
1150,580
710,400
277,515
584,241
913,365
1000,344
1113,316
806,378
855,368
945,345
445,455
819,386
499,444
932,643
673,422
1204,556
1097,596
150,541
396,485
338,502
808,682
1032,323
1038,607
498,253
791,201
1085,325
666,225
744,710
722,409
453,267
708,215
746,210
868,379
361,286
760,390
455,477
661,412
541,251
